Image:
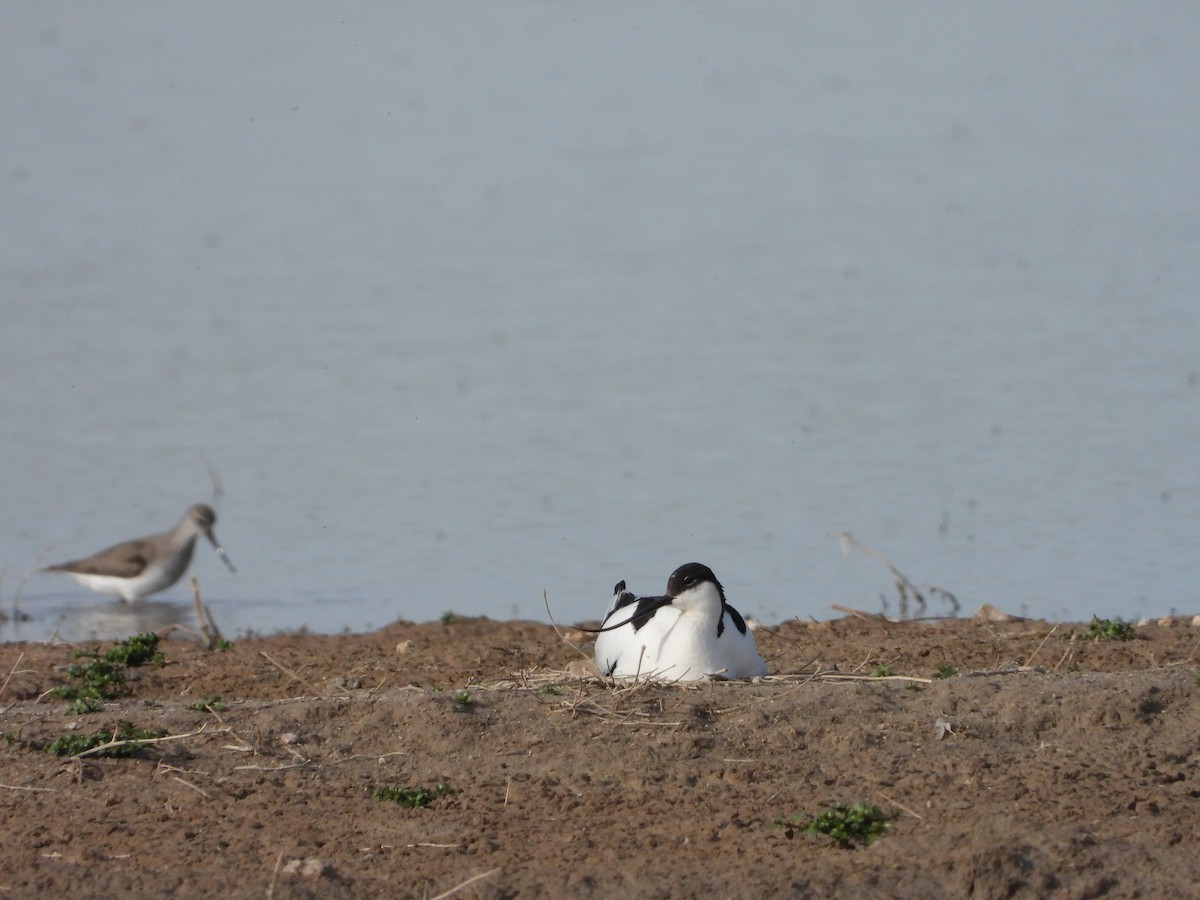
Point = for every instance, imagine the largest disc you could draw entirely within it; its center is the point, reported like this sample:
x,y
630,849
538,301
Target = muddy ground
x,y
1047,766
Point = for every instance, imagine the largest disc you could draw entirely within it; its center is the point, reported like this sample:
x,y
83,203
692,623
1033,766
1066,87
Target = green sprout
x,y
846,825
1109,630
102,677
411,798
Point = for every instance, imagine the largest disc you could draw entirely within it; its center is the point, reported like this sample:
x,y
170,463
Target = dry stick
x,y
193,787
299,765
902,582
454,890
562,637
200,611
286,671
274,875
1041,645
12,672
1068,652
165,767
16,787
211,632
862,665
374,756
140,741
901,806
220,639
1010,670
839,676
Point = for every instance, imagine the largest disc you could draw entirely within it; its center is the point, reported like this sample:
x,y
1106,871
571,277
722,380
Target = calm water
x,y
468,302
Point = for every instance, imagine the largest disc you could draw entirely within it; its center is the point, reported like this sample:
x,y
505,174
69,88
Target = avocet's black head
x,y
691,575
695,575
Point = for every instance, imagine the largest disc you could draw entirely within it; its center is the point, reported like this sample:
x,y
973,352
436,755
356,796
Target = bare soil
x,y
1048,766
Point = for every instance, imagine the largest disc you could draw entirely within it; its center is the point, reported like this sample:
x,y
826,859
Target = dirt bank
x,y
1048,766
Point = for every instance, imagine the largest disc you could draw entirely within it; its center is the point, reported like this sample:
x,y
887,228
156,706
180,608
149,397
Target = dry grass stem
x,y
199,791
1029,661
299,765
562,637
35,790
901,806
143,741
11,673
289,673
840,676
274,875
212,634
454,890
904,586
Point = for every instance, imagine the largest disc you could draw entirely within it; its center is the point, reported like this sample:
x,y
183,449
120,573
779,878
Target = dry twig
x,y
208,627
454,890
561,636
11,672
128,742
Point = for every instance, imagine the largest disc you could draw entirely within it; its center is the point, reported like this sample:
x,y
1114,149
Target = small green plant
x,y
91,684
449,618
550,690
1109,630
74,744
135,651
208,704
223,645
463,701
945,670
83,705
411,798
102,677
914,687
883,670
847,825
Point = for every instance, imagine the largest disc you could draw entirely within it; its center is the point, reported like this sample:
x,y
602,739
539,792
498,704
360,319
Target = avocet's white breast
x,y
691,634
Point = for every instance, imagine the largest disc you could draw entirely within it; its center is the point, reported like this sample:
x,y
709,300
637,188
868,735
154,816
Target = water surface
x,y
466,303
